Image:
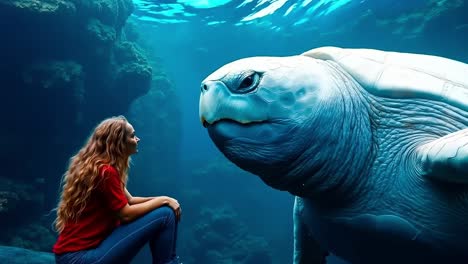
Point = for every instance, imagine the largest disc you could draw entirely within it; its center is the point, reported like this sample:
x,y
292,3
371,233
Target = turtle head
x,y
269,114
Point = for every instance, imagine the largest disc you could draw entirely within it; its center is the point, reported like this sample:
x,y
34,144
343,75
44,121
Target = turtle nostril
x,y
204,87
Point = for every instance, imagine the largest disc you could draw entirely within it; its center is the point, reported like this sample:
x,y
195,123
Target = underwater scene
x,y
234,131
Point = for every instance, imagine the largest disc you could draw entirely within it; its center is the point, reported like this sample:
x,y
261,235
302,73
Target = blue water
x,y
196,37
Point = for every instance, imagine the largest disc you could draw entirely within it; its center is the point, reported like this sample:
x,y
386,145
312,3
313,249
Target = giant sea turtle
x,y
373,144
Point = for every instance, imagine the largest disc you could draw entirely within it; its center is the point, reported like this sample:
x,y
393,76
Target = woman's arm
x,y
136,200
131,212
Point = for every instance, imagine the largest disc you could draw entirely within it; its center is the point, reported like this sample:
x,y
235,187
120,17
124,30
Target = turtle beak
x,y
203,121
212,98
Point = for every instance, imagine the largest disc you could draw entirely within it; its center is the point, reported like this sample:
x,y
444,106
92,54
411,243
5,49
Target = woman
x,y
98,220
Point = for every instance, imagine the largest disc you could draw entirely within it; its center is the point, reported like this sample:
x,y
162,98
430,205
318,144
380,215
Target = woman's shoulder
x,y
107,169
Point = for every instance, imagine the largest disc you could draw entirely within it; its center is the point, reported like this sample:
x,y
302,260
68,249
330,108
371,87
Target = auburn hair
x,y
105,146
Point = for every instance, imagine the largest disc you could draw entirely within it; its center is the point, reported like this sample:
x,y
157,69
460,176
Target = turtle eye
x,y
249,82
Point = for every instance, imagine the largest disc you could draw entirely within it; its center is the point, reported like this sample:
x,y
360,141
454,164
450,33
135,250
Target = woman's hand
x,y
174,204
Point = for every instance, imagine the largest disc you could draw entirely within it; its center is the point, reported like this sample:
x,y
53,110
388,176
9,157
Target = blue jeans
x,y
158,227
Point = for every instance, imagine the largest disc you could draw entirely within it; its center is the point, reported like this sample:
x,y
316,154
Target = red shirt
x,y
99,217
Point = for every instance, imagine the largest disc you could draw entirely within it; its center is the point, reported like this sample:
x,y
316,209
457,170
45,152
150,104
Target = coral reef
x,y
60,61
16,200
219,238
44,7
216,183
33,236
133,72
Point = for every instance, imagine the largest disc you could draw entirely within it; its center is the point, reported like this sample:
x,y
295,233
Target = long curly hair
x,y
106,145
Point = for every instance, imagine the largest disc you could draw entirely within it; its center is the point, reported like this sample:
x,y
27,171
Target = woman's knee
x,y
165,211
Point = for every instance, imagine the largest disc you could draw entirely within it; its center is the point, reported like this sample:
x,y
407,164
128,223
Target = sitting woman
x,y
97,219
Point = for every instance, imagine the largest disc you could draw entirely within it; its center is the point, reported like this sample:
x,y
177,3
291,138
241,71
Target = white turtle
x,y
373,144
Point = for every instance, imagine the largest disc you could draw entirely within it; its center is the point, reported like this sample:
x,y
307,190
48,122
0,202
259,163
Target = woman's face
x,y
131,140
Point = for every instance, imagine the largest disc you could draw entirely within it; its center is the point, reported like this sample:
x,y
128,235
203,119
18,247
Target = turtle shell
x,y
402,75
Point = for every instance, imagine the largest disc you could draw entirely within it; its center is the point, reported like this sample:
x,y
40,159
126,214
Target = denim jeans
x,y
158,228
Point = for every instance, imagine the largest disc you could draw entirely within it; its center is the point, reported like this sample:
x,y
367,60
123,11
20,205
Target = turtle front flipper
x,y
446,158
306,248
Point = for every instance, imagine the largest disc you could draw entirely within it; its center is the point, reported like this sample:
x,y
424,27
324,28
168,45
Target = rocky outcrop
x,y
24,224
14,255
227,240
65,66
